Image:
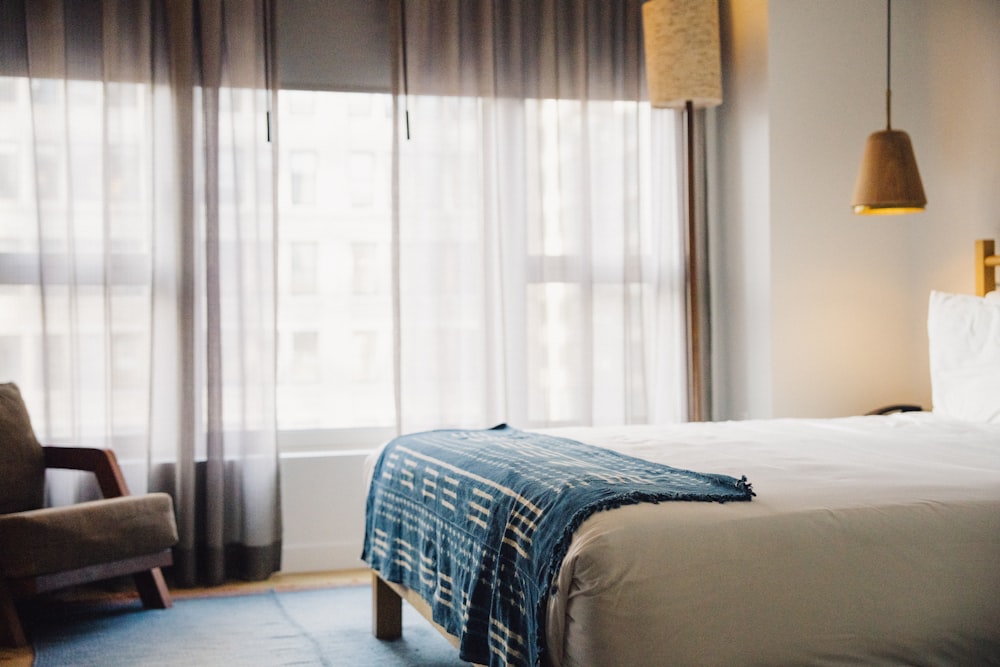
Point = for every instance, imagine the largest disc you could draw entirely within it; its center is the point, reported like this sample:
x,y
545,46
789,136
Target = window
x,y
10,355
369,263
303,267
334,299
49,141
335,302
362,178
302,174
337,281
46,91
47,170
8,171
8,90
306,360
123,181
300,103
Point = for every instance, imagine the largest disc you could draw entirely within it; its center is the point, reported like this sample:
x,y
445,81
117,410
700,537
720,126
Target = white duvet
x,y
872,540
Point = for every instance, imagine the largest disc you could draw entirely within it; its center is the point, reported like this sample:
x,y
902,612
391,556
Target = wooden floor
x,y
279,582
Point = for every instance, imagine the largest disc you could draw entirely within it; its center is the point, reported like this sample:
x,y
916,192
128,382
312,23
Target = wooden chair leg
x,y
11,630
152,589
387,610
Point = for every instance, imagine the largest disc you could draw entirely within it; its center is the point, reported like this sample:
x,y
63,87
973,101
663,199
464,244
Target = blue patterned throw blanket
x,y
478,522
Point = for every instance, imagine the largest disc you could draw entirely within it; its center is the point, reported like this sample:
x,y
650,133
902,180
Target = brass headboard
x,y
986,263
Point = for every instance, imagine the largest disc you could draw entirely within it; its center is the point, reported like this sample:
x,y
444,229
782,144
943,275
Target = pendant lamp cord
x,y
888,64
267,9
406,83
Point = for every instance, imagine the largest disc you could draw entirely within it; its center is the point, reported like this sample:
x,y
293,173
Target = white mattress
x,y
872,540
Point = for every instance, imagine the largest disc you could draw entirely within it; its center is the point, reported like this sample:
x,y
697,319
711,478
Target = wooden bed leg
x,y
387,610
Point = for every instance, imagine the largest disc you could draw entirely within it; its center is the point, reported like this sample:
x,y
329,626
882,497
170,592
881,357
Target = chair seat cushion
x,y
56,539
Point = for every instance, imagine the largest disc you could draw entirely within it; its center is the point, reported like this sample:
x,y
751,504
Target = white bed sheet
x,y
872,540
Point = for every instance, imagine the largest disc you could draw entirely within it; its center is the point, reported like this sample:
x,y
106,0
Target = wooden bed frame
x,y
986,263
387,609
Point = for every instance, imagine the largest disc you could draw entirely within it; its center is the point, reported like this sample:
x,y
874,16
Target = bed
x,y
871,540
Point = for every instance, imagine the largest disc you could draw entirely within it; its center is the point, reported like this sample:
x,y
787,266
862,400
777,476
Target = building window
x,y
303,267
9,175
362,179
302,177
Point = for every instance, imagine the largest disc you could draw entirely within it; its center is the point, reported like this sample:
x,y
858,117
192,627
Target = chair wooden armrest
x,y
101,462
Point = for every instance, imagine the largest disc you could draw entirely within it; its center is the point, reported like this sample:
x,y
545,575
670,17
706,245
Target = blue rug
x,y
315,627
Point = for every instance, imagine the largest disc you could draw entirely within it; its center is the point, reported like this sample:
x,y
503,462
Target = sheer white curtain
x,y
539,275
137,273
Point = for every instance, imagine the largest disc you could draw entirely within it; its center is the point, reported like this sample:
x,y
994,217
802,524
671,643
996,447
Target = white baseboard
x,y
321,557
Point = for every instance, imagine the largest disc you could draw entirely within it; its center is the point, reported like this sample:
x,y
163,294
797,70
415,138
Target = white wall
x,y
740,222
323,507
960,135
820,312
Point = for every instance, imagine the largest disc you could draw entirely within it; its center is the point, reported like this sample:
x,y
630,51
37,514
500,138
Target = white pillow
x,y
964,334
993,296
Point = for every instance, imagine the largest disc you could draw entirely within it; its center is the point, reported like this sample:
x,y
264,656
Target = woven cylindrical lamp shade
x,y
683,61
888,180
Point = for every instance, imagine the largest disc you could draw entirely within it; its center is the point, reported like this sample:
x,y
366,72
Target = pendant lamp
x,y
888,180
684,71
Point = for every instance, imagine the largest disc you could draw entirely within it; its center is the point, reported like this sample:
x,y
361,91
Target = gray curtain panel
x,y
138,255
537,239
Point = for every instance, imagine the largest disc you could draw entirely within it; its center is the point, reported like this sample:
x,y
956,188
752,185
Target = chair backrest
x,y
22,460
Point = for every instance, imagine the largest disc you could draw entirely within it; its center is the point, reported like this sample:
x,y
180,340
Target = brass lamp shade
x,y
888,181
683,61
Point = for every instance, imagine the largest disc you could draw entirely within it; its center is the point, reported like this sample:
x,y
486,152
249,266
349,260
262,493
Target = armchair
x,y
47,548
